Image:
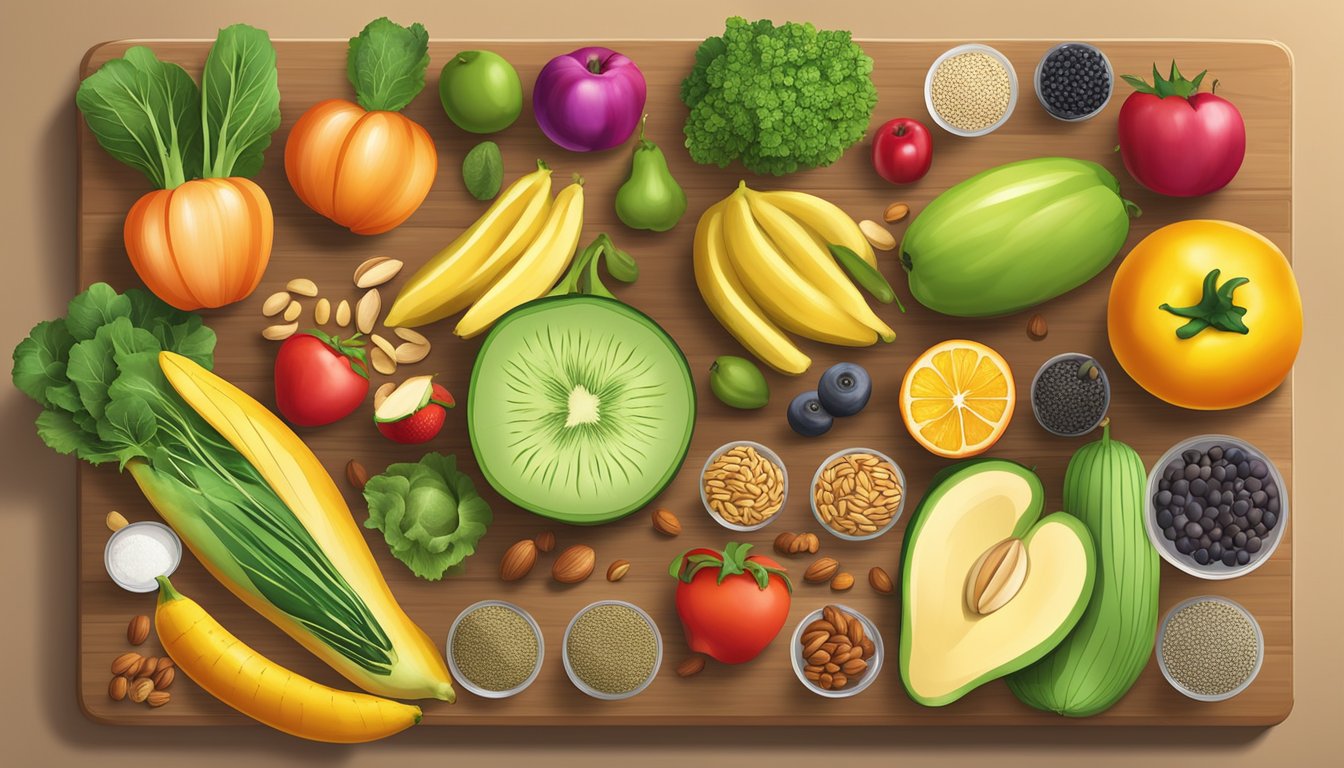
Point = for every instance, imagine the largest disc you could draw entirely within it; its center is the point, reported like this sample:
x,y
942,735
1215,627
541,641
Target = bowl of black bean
x,y
1217,507
1074,81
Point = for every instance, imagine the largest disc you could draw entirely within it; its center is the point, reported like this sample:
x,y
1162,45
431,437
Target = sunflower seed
x,y
343,313
322,312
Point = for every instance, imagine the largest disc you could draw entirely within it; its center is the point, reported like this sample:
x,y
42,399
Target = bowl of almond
x,y
744,485
858,494
836,651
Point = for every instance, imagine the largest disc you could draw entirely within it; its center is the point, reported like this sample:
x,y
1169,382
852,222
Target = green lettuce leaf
x,y
386,64
429,513
240,101
40,361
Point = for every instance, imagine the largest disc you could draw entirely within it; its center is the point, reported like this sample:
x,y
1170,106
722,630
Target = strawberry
x,y
414,413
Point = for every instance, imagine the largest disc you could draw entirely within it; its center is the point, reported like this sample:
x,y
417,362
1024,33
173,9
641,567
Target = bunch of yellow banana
x,y
513,253
763,267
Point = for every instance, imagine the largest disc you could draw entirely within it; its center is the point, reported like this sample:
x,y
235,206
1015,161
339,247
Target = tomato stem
x,y
1214,310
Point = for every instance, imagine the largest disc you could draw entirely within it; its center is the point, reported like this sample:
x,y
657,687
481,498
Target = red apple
x,y
902,150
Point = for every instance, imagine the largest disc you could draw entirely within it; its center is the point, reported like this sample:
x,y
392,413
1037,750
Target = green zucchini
x,y
1093,668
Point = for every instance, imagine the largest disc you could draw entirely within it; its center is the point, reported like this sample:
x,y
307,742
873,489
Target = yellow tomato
x,y
1206,315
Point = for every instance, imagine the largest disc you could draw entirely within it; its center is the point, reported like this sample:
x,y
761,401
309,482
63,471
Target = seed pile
x,y
857,494
1068,400
744,487
612,649
1075,81
495,648
1210,648
1218,505
970,91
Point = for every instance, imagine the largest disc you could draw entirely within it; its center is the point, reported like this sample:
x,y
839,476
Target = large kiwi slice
x,y
580,408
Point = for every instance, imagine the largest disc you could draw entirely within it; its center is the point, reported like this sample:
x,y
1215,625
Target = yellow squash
x,y
265,691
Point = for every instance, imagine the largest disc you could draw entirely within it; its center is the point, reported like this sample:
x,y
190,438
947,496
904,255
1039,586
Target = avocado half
x,y
948,649
580,408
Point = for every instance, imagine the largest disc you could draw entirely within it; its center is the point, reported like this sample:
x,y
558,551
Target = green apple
x,y
480,91
989,585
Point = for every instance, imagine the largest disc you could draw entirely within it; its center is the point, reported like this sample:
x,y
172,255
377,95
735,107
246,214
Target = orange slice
x,y
957,398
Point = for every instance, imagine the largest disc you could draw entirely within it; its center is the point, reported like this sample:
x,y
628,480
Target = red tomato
x,y
319,379
731,605
1177,142
902,150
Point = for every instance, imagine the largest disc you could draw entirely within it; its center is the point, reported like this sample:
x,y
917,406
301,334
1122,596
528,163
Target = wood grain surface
x,y
1256,76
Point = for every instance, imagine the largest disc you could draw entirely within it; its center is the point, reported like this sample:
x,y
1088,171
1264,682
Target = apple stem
x,y
900,131
595,65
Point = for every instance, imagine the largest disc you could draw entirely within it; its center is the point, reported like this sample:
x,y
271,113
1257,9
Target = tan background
x,y
40,50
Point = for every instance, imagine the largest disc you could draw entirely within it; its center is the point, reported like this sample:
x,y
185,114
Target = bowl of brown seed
x,y
970,90
744,485
836,651
858,493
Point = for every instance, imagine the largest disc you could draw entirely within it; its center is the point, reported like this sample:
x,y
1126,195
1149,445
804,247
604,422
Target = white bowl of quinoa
x,y
970,90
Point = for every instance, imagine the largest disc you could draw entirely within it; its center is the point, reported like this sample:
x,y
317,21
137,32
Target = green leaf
x,y
97,306
129,426
146,114
386,64
430,514
60,432
92,370
483,170
40,361
64,397
240,102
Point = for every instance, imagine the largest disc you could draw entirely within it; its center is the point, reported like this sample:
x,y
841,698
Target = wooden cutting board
x,y
1256,76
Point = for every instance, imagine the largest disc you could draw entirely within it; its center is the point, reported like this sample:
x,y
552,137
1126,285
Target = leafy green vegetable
x,y
781,99
429,513
150,115
483,170
240,101
386,64
96,374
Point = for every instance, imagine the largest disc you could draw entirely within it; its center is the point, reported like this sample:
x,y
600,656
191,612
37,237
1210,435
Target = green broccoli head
x,y
781,99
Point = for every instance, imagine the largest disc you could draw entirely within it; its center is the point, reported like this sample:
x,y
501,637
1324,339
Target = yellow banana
x,y
815,263
728,300
825,218
265,691
533,274
460,273
788,299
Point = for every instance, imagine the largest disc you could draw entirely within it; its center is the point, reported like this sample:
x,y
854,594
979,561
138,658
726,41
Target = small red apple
x,y
902,150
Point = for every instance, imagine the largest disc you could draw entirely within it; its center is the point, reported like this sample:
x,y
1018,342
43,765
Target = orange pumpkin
x,y
365,170
204,243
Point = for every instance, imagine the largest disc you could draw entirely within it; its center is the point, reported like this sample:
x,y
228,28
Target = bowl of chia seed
x,y
1070,395
1210,648
495,649
612,650
1216,507
1074,81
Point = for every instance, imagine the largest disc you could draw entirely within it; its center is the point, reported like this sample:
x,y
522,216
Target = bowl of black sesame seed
x,y
1216,507
1070,395
1074,81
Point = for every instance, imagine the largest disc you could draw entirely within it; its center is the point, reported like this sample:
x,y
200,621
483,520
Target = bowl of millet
x,y
970,90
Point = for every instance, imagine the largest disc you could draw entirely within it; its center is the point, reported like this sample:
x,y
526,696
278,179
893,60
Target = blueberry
x,y
807,417
844,389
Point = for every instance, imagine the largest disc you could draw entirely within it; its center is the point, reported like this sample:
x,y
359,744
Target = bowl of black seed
x,y
1070,395
1217,507
1074,81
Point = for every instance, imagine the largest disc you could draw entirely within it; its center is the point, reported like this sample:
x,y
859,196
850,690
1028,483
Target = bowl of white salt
x,y
139,553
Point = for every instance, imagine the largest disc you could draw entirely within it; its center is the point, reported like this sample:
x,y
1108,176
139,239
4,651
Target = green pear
x,y
650,199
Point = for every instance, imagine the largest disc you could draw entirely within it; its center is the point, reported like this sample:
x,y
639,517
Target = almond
x,y
343,313
138,630
322,312
139,689
574,564
408,353
275,303
996,577
382,362
158,698
820,625
367,310
385,345
279,332
855,632
163,678
1036,327
116,690
414,337
842,582
126,663
821,570
880,581
691,665
518,560
877,234
785,540
814,645
147,667
302,286
166,663
838,681
356,475
293,311
868,648
895,212
617,570
838,619
115,521
376,271
853,666
545,541
665,522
